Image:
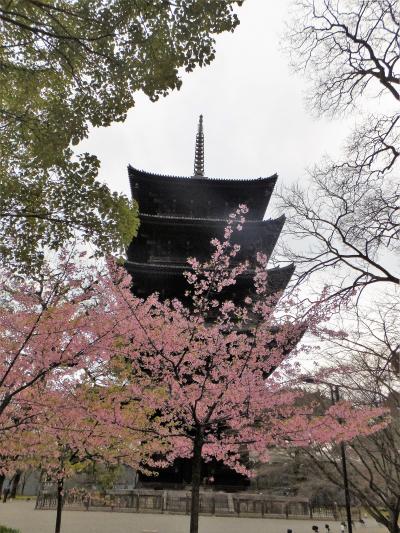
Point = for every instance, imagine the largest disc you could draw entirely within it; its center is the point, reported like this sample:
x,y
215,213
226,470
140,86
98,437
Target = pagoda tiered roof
x,y
214,222
180,215
168,279
199,196
173,239
135,173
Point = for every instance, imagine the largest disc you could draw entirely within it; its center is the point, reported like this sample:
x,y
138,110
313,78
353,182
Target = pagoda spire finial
x,y
199,150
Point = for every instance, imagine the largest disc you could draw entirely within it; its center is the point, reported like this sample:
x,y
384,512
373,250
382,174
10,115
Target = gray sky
x,y
255,119
254,114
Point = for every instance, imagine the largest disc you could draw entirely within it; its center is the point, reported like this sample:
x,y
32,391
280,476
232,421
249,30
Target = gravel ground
x,y
21,515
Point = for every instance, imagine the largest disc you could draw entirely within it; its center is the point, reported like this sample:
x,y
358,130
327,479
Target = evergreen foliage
x,y
66,66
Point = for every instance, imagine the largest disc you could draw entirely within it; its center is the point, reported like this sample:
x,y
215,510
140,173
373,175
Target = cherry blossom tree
x,y
59,333
204,380
215,370
73,427
56,322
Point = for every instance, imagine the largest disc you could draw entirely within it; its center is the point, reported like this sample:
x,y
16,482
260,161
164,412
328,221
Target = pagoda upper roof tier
x,y
168,280
199,197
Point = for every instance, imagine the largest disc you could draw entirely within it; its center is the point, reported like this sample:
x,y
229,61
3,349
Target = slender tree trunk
x,y
24,478
14,484
60,486
196,480
2,478
394,528
394,522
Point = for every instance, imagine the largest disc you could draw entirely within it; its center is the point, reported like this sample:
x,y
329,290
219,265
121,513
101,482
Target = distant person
x,y
362,522
342,527
327,528
315,528
86,501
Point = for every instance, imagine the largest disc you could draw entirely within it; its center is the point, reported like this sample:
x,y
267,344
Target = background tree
x,y
71,65
348,218
289,473
366,363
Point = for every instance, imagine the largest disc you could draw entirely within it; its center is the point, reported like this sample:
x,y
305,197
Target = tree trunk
x,y
394,522
60,486
14,484
390,521
2,478
394,528
196,480
24,478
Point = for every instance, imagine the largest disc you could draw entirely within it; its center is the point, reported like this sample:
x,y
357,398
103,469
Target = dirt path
x,y
22,516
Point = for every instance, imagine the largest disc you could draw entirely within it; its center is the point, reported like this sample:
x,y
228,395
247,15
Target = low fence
x,y
179,502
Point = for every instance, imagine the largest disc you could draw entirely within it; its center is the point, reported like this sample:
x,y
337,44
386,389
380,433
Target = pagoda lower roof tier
x,y
168,280
199,197
164,239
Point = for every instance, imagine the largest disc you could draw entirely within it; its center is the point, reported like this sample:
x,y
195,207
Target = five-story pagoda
x,y
178,218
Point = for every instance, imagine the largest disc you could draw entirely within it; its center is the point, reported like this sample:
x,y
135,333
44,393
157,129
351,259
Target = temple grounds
x,y
21,515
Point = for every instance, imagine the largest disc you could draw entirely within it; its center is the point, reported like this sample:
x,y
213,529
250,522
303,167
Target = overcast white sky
x,y
254,114
255,119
